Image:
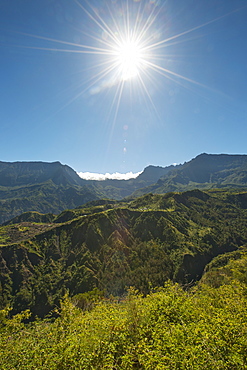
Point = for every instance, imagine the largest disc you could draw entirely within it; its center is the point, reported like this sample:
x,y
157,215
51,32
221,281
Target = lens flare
x,y
128,42
129,57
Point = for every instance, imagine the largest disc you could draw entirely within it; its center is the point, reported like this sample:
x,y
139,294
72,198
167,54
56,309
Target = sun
x,y
128,44
129,59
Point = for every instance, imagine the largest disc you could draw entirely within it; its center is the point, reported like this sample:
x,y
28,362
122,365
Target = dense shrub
x,y
169,329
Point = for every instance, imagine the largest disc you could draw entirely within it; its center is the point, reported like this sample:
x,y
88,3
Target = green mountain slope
x,y
41,187
45,198
53,187
114,245
206,171
26,173
119,189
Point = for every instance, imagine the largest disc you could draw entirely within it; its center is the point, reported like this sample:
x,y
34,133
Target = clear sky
x,y
113,86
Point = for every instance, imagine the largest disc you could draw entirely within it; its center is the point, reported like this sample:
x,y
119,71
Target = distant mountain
x,y
118,189
30,173
152,174
53,187
42,187
206,171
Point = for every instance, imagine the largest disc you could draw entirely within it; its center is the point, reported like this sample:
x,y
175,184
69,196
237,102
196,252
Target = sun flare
x,y
128,43
129,57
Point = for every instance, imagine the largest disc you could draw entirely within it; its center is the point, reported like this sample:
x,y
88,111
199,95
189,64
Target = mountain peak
x,y
23,173
153,173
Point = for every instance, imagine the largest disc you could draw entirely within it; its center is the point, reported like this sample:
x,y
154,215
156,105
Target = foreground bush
x,y
169,329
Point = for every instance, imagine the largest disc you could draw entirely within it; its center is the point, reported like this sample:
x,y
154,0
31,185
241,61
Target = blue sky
x,y
59,103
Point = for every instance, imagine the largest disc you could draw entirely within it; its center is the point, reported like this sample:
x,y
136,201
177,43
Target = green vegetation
x,y
53,187
205,172
155,282
205,328
114,245
158,282
43,198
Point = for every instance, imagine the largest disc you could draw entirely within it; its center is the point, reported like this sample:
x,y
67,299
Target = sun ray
x,y
162,42
107,51
116,25
98,77
103,26
146,26
138,16
63,50
160,69
126,48
127,30
131,49
148,95
118,98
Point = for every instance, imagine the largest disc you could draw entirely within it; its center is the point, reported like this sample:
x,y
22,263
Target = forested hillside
x,y
53,187
42,187
114,245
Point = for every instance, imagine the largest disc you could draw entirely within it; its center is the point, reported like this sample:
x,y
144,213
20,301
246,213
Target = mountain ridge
x,y
52,187
24,173
205,171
